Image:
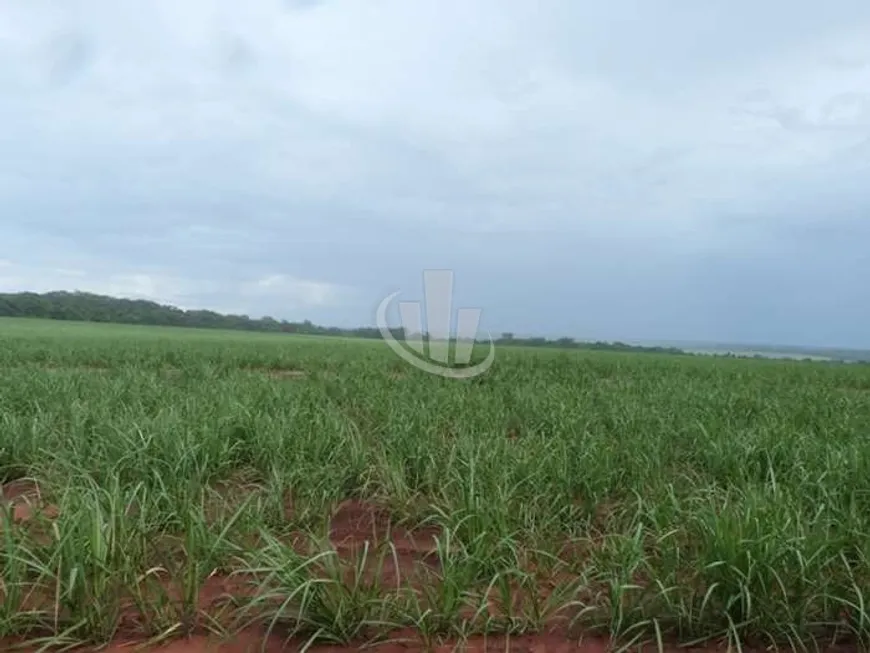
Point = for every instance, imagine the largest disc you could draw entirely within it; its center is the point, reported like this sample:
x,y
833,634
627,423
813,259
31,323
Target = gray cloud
x,y
630,170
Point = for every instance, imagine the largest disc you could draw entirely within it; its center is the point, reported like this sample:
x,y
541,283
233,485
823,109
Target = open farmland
x,y
166,482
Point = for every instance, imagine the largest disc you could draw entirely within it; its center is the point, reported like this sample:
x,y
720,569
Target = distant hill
x,y
89,307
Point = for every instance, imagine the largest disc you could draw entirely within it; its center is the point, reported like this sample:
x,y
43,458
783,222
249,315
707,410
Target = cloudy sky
x,y
630,169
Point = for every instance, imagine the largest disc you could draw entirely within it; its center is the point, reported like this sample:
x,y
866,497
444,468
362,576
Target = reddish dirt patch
x,y
356,523
352,524
26,499
404,642
408,641
18,489
365,538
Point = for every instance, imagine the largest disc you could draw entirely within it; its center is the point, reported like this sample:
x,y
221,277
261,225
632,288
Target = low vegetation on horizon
x,y
89,307
161,482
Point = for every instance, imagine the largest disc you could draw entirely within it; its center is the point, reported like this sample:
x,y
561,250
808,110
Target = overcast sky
x,y
629,169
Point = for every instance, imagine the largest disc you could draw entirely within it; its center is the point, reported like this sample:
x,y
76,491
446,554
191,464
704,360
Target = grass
x,y
197,481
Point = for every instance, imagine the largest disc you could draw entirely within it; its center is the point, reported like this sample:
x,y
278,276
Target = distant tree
x,y
89,307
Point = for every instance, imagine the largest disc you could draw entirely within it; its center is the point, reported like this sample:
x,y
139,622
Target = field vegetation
x,y
161,483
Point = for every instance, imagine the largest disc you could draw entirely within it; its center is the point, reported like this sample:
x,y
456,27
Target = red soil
x,y
352,525
405,642
26,500
355,522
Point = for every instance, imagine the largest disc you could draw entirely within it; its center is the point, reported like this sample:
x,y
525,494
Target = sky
x,y
638,170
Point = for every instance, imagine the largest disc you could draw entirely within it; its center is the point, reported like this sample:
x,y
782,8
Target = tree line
x,y
89,307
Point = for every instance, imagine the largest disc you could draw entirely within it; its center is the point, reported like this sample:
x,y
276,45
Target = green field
x,y
188,480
